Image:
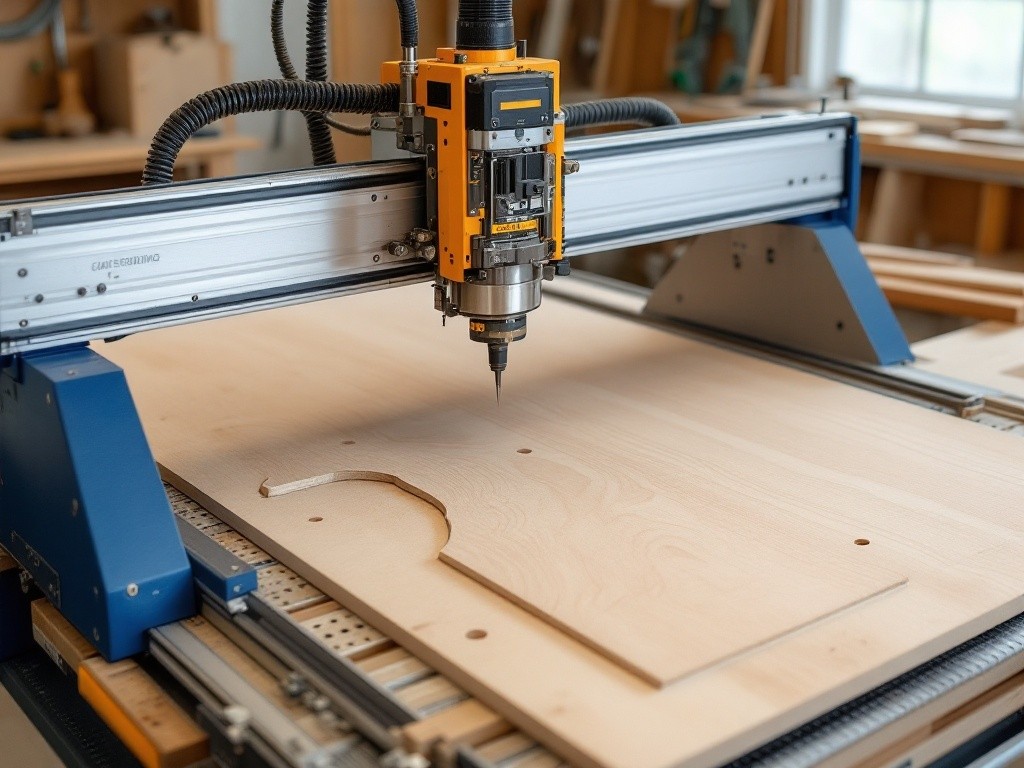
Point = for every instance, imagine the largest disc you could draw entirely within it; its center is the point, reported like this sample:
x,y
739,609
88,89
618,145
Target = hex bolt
x,y
569,167
398,249
133,590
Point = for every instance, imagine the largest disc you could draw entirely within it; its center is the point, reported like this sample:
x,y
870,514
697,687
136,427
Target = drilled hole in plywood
x,y
476,634
861,542
525,451
348,442
317,519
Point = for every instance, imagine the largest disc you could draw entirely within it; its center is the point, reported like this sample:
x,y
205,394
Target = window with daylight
x,y
964,50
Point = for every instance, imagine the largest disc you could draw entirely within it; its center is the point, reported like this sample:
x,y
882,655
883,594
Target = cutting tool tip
x,y
497,385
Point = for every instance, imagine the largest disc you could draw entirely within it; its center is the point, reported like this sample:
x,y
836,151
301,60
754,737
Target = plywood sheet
x,y
991,354
610,411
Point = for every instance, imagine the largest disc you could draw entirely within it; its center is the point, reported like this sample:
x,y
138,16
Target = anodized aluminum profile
x,y
109,264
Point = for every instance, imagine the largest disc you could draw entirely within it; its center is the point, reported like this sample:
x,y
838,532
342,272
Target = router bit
x,y
497,357
497,335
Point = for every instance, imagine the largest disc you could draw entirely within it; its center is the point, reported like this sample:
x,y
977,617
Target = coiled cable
x,y
320,140
288,71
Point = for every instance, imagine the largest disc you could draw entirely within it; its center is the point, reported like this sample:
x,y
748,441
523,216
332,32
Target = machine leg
x,y
82,507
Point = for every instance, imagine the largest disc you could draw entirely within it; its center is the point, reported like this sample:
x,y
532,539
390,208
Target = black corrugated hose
x,y
485,25
284,63
258,96
320,140
630,110
409,21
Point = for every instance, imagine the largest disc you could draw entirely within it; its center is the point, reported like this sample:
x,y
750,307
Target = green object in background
x,y
693,53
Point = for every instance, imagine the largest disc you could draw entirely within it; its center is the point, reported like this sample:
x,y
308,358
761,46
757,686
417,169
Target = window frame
x,y
822,44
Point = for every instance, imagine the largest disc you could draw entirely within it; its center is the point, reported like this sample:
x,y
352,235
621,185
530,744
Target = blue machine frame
x,y
82,507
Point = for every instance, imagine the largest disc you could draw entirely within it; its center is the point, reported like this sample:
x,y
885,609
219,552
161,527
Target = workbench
x,y
903,161
37,166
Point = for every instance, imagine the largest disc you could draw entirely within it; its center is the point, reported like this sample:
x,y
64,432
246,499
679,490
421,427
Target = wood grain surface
x,y
765,469
991,354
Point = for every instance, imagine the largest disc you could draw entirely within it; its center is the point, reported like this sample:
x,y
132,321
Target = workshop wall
x,y
245,25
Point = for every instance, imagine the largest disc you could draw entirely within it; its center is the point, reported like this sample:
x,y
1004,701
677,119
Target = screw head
x,y
22,272
82,291
95,634
133,590
101,288
74,507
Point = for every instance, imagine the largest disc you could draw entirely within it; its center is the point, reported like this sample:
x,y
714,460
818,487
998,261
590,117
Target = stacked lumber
x,y
946,284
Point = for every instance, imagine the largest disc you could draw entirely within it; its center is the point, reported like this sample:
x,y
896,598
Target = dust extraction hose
x,y
485,25
630,110
258,96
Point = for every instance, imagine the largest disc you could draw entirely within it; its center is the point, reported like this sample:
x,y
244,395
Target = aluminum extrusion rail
x,y
78,268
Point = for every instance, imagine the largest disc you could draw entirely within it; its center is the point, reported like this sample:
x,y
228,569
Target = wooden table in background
x,y
905,160
44,164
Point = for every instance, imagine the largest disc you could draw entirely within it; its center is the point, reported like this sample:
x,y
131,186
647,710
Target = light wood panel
x,y
991,354
283,395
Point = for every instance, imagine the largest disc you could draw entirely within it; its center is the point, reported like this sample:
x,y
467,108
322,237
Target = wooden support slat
x,y
469,723
876,251
143,716
55,635
959,302
973,278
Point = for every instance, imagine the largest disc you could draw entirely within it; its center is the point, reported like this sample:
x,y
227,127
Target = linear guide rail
x,y
78,268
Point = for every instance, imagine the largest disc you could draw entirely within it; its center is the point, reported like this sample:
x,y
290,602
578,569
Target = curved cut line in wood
x,y
270,491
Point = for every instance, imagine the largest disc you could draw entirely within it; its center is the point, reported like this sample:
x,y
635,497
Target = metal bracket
x,y
802,287
21,222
